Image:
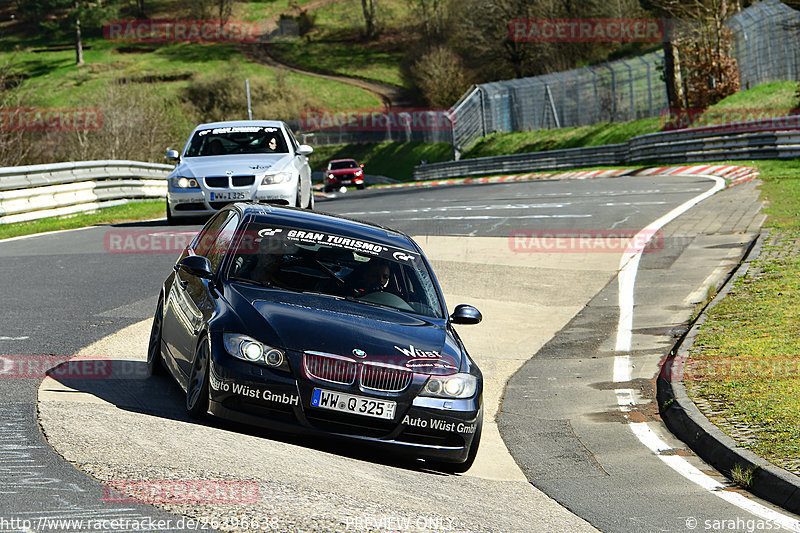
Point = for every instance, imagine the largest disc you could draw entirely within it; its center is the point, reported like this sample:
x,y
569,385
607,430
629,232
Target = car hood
x,y
309,322
220,165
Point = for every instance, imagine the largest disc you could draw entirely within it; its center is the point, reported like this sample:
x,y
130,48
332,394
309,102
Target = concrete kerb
x,y
689,424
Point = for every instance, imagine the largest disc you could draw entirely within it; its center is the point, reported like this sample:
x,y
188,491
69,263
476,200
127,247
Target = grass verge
x,y
746,358
130,212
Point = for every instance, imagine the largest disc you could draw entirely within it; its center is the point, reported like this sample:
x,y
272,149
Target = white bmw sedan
x,y
245,160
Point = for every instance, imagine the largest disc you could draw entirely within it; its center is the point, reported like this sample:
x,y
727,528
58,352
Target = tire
x,y
311,200
155,361
197,390
326,189
460,468
360,187
299,201
170,219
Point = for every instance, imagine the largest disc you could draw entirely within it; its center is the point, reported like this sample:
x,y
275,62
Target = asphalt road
x,y
62,292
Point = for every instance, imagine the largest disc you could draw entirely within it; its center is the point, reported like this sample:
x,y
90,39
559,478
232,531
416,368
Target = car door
x,y
191,300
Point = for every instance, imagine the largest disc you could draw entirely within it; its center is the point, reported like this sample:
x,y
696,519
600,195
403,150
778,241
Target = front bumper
x,y
204,201
344,180
427,428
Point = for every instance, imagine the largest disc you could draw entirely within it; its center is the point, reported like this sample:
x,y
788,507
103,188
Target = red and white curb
x,y
733,174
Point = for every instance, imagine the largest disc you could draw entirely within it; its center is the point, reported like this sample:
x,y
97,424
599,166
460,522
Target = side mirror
x,y
304,149
361,165
196,265
173,155
466,314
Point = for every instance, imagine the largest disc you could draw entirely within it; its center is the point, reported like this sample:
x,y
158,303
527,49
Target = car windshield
x,y
300,260
338,165
237,140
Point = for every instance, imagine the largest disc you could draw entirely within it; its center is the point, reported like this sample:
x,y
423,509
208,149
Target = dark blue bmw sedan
x,y
317,324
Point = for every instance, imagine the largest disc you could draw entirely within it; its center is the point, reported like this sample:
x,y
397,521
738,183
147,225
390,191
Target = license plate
x,y
228,196
350,403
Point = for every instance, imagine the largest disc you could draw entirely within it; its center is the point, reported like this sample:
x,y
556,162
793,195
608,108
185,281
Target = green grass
x,y
334,46
129,212
747,354
53,80
256,11
775,99
343,58
394,160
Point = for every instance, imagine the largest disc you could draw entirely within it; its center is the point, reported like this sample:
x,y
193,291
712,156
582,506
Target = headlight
x,y
278,177
454,386
185,183
249,349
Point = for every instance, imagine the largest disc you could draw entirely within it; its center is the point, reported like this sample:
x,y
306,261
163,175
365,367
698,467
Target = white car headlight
x,y
185,183
453,386
249,349
277,177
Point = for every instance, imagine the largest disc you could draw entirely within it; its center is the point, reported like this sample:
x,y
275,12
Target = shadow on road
x,y
126,385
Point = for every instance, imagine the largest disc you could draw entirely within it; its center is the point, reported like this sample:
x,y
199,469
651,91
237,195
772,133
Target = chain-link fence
x,y
618,91
766,41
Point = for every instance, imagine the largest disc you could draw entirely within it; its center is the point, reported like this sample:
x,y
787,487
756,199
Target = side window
x,y
293,140
223,241
205,239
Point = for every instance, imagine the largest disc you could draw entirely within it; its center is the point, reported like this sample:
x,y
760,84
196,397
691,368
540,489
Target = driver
x,y
374,277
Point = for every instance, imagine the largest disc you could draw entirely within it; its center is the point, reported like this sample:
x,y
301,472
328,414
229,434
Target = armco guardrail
x,y
777,138
38,191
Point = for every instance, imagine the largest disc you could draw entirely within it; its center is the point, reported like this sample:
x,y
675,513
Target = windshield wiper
x,y
373,304
252,281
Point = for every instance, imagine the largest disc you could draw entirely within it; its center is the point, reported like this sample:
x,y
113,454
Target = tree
x,y
61,18
441,77
431,14
480,34
13,145
699,66
369,7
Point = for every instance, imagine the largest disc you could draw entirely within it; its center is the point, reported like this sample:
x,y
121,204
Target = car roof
x,y
341,160
327,223
239,123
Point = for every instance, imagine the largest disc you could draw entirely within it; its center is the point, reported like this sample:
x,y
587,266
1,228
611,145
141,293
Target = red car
x,y
343,172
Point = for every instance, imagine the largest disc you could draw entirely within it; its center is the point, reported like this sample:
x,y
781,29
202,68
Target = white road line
x,y
622,373
13,338
497,207
22,237
489,217
629,263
